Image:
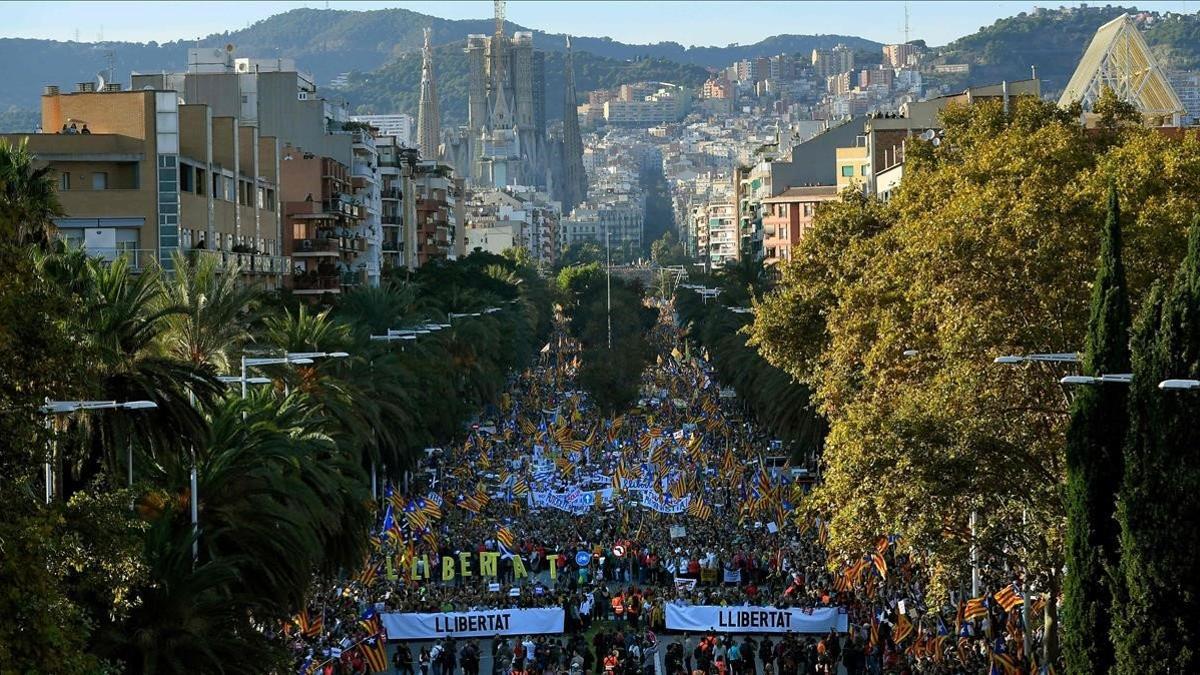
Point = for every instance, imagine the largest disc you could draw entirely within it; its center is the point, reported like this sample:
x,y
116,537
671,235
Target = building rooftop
x,y
795,193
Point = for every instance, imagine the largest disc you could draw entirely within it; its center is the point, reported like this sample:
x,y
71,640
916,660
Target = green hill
x,y
1054,40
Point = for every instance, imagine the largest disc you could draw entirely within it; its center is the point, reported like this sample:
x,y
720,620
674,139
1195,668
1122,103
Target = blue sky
x,y
689,23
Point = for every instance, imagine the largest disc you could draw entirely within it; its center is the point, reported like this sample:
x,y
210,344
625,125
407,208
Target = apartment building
x,y
670,103
152,177
398,126
274,98
321,228
787,216
722,238
619,226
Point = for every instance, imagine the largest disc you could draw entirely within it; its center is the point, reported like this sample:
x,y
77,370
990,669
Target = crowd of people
x,y
721,528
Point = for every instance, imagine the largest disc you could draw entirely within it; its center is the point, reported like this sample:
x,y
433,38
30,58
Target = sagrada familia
x,y
505,140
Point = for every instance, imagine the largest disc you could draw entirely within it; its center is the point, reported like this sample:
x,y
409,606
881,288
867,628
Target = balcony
x,y
390,246
325,246
314,284
248,263
391,220
137,259
391,193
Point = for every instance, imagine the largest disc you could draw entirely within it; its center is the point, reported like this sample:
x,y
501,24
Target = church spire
x,y
428,125
574,187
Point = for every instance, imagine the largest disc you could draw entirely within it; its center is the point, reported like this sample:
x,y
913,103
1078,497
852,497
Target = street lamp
x,y
66,407
1179,385
1118,378
293,358
1061,357
234,379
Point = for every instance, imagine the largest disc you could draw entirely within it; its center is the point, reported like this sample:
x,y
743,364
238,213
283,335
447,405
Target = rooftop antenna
x,y
906,22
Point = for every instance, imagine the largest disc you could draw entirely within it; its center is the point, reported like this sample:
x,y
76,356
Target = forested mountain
x,y
327,42
1054,40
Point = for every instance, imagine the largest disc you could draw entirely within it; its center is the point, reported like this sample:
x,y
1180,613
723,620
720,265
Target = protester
x,y
671,503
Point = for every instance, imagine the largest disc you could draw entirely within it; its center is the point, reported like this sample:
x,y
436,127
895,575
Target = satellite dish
x,y
936,142
928,135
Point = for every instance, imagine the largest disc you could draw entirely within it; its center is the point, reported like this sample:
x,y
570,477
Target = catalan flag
x,y
1038,604
506,536
881,545
370,623
699,509
937,649
527,427
369,575
659,454
566,466
904,628
520,487
976,608
880,564
1006,663
1008,597
620,475
644,442
309,625
678,489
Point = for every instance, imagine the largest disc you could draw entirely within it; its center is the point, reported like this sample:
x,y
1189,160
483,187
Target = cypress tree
x,y
1095,439
1155,627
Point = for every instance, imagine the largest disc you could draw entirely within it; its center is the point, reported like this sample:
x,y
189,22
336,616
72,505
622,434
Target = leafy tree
x,y
1098,427
668,250
983,251
582,254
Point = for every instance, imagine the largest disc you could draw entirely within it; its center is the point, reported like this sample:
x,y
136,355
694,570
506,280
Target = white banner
x,y
701,618
483,623
733,576
683,584
665,504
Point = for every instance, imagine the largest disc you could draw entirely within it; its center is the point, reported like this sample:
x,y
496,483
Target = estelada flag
x,y
374,651
904,628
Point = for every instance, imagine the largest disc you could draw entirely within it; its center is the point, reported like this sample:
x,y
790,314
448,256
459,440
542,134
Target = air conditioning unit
x,y
302,96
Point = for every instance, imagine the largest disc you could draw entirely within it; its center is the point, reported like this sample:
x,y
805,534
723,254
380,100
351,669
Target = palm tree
x,y
279,498
185,620
28,201
208,312
125,320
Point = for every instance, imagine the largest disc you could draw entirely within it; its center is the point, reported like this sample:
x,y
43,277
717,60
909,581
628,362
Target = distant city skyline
x,y
688,23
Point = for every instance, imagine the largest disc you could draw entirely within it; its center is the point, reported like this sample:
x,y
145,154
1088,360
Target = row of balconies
x,y
253,263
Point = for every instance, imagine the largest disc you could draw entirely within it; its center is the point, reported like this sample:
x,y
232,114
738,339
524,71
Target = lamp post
x,y
66,407
293,358
1179,385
